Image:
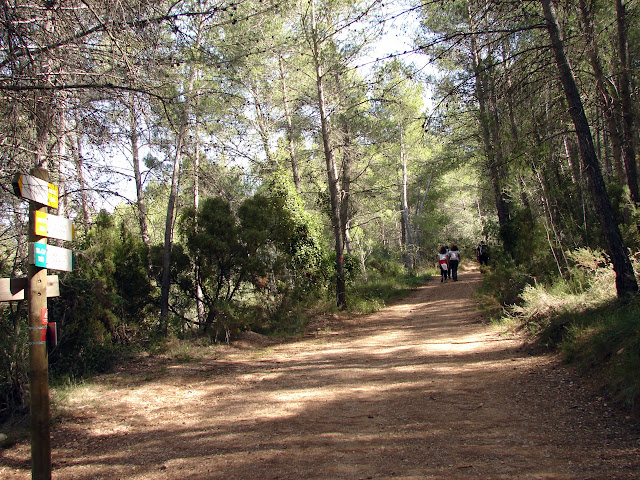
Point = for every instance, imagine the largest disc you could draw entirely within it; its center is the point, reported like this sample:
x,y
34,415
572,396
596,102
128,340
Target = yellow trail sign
x,y
53,226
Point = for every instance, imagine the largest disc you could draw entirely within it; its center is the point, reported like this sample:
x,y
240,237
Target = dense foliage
x,y
229,163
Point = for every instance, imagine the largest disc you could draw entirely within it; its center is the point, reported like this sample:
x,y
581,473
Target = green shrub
x,y
504,280
14,361
385,266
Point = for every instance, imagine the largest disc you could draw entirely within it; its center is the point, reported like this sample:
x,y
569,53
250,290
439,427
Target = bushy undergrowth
x,y
365,294
606,341
580,315
503,285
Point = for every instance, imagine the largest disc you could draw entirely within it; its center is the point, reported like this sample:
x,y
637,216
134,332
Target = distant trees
x,y
398,117
207,87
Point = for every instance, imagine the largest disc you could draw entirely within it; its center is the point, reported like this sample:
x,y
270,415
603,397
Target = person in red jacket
x,y
443,263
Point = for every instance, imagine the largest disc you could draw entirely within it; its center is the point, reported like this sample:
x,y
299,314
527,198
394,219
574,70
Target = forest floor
x,y
422,389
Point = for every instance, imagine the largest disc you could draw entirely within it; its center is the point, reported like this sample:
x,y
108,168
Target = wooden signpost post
x,y
36,287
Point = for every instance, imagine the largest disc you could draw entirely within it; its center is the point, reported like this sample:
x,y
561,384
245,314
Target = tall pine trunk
x,y
332,171
290,134
196,204
408,244
171,207
345,177
490,144
609,107
135,161
332,176
75,145
629,151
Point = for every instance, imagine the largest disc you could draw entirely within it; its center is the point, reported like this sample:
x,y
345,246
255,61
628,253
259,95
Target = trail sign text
x,y
47,256
35,189
53,226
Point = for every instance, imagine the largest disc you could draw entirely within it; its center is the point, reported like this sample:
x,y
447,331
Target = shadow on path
x,y
420,390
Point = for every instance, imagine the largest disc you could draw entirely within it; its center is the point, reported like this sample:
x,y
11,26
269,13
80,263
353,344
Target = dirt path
x,y
419,390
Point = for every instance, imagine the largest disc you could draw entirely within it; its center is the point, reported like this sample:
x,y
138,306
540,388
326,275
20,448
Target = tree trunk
x,y
332,173
345,177
418,214
170,219
75,144
168,233
576,172
43,116
407,231
262,127
61,153
601,82
171,214
625,277
629,152
290,136
196,204
551,212
481,92
496,168
506,54
135,160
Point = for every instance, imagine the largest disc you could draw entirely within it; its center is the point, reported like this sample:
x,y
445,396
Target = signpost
x,y
48,256
36,189
52,226
13,289
36,287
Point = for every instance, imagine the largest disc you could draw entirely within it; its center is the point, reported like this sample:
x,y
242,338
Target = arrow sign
x,y
13,289
35,189
53,226
48,256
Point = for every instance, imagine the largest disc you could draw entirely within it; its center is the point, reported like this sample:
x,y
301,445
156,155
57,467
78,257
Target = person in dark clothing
x,y
454,261
482,254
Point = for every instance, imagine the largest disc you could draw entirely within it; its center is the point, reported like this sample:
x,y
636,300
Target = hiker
x,y
448,263
482,254
454,261
443,263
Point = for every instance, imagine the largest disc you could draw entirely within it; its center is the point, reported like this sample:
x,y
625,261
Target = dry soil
x,y
422,389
